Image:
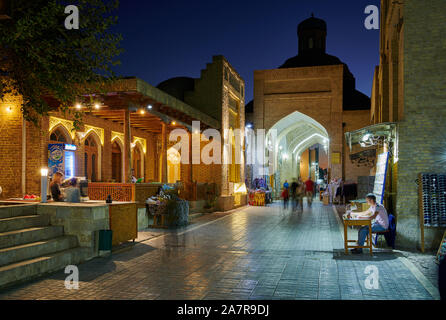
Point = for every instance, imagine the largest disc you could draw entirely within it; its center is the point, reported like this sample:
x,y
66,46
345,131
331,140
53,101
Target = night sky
x,y
170,38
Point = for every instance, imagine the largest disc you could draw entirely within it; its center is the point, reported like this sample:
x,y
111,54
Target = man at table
x,y
380,220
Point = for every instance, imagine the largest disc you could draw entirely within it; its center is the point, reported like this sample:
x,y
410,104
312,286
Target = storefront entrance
x,y
137,162
91,159
116,162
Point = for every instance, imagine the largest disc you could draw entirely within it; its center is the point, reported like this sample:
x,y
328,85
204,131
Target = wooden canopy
x,y
148,106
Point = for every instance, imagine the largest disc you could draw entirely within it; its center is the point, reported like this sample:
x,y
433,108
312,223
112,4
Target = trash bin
x,y
105,240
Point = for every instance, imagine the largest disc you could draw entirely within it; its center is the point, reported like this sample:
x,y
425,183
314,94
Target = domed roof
x,y
177,87
311,61
312,24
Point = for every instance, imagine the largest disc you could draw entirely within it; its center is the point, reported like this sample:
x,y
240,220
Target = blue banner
x,y
56,159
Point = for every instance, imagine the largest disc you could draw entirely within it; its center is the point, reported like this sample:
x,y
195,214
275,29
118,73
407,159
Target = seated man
x,y
73,193
380,220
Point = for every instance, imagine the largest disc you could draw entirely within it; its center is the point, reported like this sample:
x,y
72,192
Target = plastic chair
x,y
389,234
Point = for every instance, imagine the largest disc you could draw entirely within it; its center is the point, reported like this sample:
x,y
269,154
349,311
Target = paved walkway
x,y
254,253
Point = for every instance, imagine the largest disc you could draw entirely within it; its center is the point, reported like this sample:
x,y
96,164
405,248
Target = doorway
x,y
116,162
91,159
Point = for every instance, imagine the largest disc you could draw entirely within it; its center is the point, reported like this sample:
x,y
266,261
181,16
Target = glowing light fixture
x,y
307,139
43,184
174,123
78,106
143,111
240,188
149,107
9,109
97,106
366,137
44,172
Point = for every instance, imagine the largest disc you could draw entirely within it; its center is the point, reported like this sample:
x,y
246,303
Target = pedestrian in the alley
x,y
294,199
309,191
380,220
286,197
286,185
300,193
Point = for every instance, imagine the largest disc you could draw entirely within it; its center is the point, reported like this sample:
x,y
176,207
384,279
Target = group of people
x,y
296,192
71,194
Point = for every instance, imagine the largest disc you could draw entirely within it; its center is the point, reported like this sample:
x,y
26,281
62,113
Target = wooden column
x,y
127,147
164,153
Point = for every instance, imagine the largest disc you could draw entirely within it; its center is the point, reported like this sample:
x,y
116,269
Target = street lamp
x,y
43,184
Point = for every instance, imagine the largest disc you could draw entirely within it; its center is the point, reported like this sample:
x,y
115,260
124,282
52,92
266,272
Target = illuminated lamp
x,y
43,184
240,188
366,137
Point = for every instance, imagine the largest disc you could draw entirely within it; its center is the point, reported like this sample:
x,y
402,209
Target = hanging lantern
x,y
5,9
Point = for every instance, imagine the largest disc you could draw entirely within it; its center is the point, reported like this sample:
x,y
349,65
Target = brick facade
x,y
409,88
316,92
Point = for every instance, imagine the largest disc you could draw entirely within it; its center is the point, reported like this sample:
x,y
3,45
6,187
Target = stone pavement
x,y
253,253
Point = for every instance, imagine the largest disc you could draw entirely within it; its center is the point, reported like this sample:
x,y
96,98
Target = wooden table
x,y
358,222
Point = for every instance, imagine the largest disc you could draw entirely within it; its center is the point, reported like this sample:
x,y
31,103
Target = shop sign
x,y
70,147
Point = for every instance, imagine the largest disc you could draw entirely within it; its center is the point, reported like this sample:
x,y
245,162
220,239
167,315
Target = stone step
x,y
23,236
18,223
36,249
17,211
27,270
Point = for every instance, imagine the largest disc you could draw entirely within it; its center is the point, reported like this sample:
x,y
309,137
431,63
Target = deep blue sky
x,y
169,38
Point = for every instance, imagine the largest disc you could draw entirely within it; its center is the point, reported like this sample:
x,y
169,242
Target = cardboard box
x,y
360,204
326,200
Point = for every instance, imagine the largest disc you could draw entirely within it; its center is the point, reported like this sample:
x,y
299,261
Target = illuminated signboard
x,y
70,147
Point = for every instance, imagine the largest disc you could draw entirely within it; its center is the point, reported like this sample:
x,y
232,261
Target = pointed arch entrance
x,y
117,160
92,157
288,140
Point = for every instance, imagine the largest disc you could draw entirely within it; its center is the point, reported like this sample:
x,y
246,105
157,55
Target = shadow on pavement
x,y
339,254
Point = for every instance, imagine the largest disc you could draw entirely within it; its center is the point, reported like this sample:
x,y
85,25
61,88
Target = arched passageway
x,y
296,146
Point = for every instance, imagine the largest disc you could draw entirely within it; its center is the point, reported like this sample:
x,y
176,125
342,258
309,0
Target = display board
x,y
433,199
380,177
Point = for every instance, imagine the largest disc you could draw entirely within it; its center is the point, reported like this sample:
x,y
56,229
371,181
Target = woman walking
x,y
286,198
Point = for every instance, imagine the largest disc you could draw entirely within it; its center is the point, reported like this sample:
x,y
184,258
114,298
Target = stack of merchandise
x,y
434,199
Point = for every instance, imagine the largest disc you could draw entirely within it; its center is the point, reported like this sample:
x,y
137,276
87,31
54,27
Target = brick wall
x,y
10,146
423,128
314,91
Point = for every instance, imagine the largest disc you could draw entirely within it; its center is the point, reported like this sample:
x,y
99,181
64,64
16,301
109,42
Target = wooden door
x,y
116,162
91,159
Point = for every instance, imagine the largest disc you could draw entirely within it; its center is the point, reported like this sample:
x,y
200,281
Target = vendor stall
x,y
167,209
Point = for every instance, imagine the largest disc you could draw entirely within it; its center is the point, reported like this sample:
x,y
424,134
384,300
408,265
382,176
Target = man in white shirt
x,y
380,220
